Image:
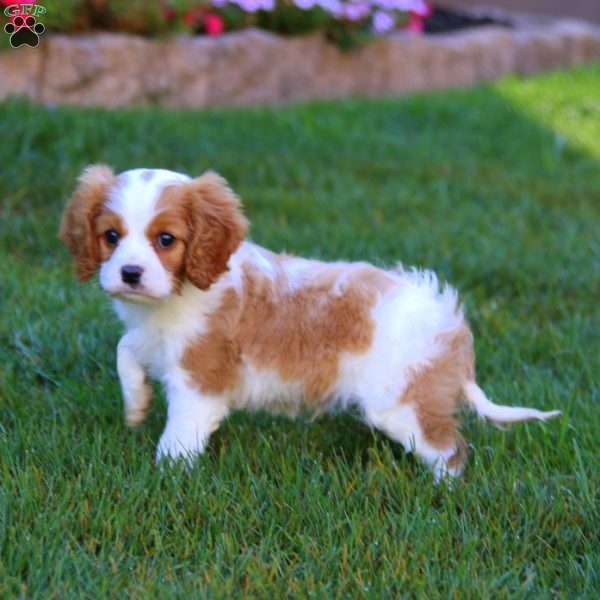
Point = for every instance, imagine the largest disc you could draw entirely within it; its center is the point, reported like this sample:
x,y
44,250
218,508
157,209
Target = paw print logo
x,y
24,31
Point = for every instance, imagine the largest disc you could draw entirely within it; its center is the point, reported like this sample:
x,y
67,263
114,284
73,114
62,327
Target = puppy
x,y
225,324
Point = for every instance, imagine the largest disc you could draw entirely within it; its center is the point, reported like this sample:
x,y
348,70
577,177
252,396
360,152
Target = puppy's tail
x,y
499,414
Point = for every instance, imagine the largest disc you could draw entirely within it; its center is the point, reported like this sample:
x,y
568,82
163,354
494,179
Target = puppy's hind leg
x,y
401,424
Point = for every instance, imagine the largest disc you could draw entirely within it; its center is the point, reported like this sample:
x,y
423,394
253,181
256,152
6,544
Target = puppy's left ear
x,y
218,227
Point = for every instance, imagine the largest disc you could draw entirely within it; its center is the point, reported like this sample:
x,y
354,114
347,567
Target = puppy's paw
x,y
135,412
134,417
183,443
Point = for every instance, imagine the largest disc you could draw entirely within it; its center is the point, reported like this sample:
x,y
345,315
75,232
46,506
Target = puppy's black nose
x,y
131,274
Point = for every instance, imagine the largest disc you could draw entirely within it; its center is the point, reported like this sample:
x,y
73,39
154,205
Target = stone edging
x,y
252,66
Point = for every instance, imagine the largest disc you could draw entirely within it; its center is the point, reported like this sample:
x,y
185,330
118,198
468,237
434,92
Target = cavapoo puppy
x,y
226,324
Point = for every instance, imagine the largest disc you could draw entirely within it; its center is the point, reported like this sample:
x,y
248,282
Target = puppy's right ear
x,y
77,225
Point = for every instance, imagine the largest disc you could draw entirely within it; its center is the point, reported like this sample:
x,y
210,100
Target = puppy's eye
x,y
165,239
111,236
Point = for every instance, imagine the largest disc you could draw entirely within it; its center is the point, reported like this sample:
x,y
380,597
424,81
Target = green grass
x,y
497,188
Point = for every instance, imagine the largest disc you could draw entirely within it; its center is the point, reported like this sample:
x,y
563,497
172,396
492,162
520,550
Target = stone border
x,y
252,66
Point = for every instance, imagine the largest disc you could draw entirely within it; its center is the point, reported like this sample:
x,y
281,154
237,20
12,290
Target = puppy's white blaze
x,y
499,413
138,191
134,199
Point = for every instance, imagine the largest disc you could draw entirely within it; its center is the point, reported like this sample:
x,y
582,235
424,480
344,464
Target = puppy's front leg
x,y
192,417
137,394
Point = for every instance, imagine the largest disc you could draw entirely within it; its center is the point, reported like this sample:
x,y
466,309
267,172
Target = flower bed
x,y
345,22
252,66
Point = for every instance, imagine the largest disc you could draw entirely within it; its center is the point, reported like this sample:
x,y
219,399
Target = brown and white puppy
x,y
225,324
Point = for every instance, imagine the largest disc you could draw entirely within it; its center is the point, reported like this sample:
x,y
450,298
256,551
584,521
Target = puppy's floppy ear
x,y
76,228
217,226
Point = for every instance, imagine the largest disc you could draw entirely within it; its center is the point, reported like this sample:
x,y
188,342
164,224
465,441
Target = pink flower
x,y
213,24
383,22
415,23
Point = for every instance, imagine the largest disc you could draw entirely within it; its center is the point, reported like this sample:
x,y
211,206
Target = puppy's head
x,y
150,230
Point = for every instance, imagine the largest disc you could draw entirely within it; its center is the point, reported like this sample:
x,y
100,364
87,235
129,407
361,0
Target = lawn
x,y
497,188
